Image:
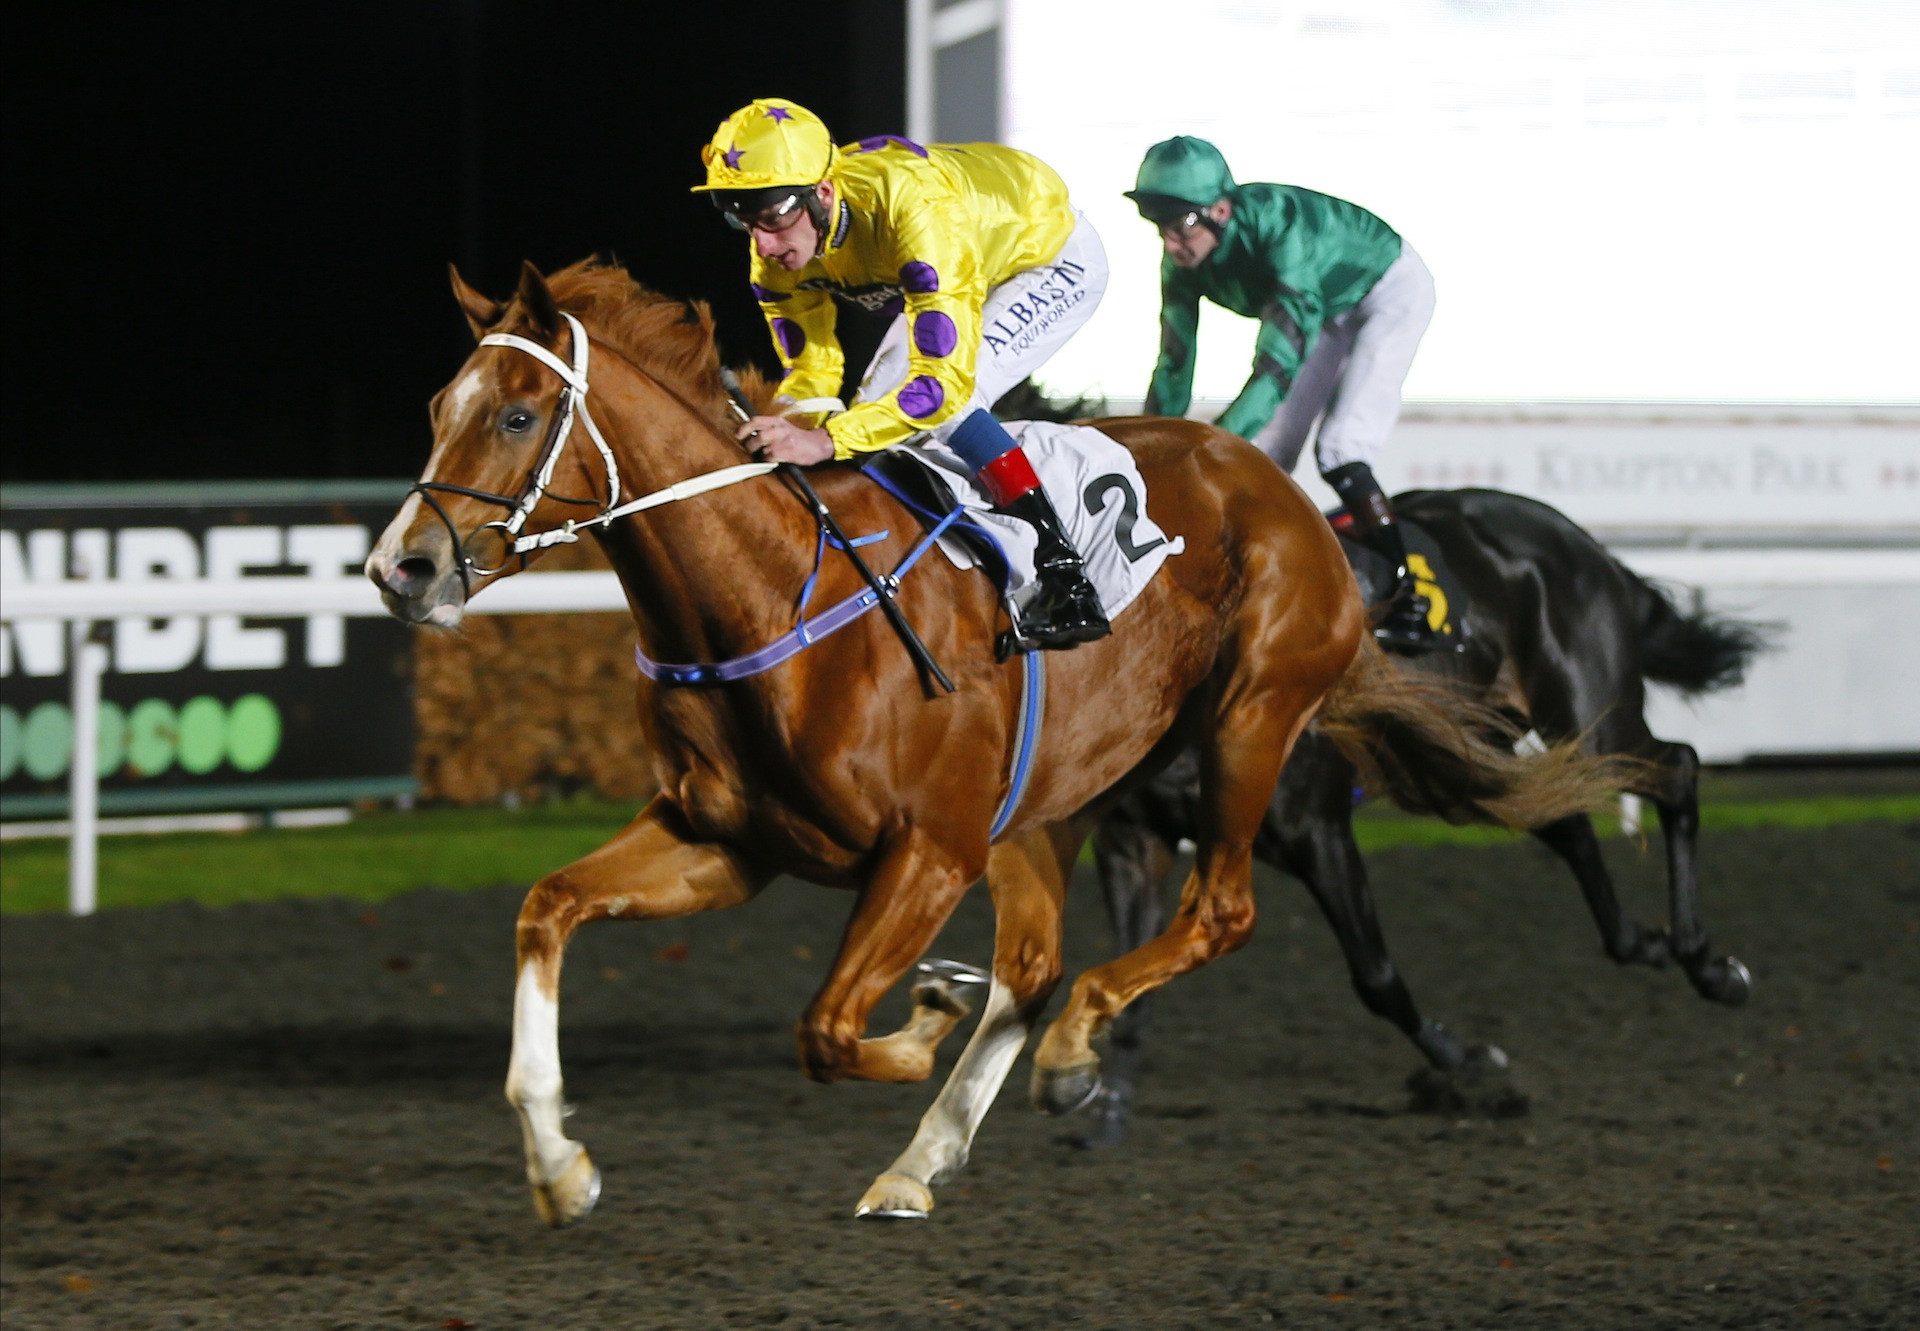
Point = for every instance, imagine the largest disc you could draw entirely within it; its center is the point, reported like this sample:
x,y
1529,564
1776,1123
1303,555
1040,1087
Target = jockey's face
x,y
1189,241
790,239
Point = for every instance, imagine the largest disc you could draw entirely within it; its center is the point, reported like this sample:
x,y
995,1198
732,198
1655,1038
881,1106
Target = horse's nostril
x,y
410,575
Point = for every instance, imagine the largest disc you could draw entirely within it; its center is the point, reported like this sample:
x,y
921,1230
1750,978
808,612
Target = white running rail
x,y
82,603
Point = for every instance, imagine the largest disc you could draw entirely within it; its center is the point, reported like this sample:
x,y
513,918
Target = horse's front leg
x,y
651,870
1028,879
909,897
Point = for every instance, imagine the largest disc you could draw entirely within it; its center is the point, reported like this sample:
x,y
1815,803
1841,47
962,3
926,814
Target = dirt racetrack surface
x,y
290,1116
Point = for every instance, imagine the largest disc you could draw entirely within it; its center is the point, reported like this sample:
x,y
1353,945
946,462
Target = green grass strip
x,y
1376,828
373,857
380,855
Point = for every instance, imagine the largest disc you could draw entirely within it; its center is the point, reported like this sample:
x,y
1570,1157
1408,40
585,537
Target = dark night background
x,y
228,225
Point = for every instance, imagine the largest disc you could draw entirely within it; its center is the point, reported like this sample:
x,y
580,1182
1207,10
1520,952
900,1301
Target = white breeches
x,y
1352,378
1025,320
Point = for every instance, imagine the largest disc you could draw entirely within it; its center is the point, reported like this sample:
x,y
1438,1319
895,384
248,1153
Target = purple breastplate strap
x,y
805,632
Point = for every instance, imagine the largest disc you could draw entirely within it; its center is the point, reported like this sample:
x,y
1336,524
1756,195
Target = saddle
x,y
1433,576
927,493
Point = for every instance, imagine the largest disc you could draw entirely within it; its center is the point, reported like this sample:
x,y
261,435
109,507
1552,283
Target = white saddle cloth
x,y
1099,495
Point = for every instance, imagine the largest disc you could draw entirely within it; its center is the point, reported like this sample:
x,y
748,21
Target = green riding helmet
x,y
1179,175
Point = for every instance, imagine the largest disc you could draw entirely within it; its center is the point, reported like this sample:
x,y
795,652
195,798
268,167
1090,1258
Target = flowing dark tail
x,y
1427,745
1699,652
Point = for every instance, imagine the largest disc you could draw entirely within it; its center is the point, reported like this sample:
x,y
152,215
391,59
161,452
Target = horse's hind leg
x,y
1593,693
1028,878
1309,833
1133,860
1676,794
651,870
1254,727
1627,941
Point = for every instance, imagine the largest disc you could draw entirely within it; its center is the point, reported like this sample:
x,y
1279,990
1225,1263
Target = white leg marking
x,y
1630,809
533,1079
940,1147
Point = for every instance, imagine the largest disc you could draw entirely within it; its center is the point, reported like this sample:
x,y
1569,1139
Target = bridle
x,y
572,404
880,592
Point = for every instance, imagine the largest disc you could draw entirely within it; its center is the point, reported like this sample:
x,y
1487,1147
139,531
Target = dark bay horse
x,y
837,766
1563,638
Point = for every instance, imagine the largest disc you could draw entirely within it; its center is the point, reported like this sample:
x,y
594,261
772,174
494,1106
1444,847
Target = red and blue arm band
x,y
984,444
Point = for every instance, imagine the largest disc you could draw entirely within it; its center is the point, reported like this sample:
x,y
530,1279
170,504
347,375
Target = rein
x,y
880,589
572,404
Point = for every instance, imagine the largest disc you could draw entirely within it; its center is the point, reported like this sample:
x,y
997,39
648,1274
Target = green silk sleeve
x,y
1171,391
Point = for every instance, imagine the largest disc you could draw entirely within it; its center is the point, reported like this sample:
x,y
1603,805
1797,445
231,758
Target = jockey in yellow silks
x,y
986,269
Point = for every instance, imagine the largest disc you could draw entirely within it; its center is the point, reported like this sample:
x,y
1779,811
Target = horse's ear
x,y
481,313
537,299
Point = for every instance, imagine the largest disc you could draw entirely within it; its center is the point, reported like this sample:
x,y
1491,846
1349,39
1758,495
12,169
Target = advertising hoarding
x,y
214,711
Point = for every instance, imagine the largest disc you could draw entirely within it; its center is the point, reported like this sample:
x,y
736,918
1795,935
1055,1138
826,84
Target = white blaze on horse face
x,y
460,403
461,396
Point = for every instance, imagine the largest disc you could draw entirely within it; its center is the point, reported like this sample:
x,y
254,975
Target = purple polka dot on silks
x,y
919,278
934,333
921,397
791,338
768,296
879,141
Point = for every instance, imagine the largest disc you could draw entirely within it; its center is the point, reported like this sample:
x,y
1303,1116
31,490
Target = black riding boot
x,y
1064,609
1402,623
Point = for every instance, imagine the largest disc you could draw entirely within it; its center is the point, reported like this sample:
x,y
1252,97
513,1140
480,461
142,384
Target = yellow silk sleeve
x,y
803,326
938,268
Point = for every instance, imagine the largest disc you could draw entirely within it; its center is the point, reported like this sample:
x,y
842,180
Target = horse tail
x,y
1699,652
1423,742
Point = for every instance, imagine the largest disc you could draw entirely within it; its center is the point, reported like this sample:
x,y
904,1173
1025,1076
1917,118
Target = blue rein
x,y
806,632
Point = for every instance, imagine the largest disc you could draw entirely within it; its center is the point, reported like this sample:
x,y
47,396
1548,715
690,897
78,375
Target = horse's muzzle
x,y
418,589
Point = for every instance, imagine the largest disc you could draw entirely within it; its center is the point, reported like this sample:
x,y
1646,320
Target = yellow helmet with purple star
x,y
768,143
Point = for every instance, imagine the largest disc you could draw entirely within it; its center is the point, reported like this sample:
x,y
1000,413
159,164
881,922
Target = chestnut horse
x,y
836,766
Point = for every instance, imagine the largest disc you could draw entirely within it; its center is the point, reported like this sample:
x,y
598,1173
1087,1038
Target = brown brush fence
x,y
523,708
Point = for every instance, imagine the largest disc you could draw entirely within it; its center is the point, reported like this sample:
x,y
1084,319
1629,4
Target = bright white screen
x,y
1650,201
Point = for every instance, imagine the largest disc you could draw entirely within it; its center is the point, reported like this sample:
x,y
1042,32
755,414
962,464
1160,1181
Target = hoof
x,y
895,1197
1063,1090
569,1198
943,985
953,972
1733,986
1106,1121
1485,1061
1647,947
1480,1087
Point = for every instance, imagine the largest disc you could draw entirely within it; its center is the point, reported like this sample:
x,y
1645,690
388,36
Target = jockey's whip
x,y
922,658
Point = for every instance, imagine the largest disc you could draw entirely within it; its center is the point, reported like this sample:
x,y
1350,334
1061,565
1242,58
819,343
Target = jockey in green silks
x,y
1342,303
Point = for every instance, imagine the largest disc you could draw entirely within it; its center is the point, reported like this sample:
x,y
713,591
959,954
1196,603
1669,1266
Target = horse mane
x,y
671,339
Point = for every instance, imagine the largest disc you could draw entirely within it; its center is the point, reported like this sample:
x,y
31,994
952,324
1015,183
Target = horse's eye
x,y
516,420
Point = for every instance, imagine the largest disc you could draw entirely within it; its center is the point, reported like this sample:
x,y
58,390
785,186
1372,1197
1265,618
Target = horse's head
x,y
510,457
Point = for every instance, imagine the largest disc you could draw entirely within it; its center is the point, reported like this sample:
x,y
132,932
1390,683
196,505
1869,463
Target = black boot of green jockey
x,y
1064,610
1402,624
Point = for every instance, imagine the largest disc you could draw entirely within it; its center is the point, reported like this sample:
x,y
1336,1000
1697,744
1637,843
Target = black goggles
x,y
746,216
1180,224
